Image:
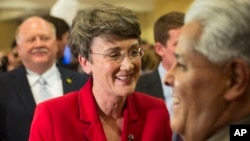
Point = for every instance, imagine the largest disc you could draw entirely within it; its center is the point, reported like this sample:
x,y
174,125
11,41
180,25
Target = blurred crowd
x,y
10,59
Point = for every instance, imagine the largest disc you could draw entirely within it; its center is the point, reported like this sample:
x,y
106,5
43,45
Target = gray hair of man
x,y
104,19
226,28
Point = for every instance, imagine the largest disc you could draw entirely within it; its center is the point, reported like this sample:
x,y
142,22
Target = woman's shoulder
x,y
67,100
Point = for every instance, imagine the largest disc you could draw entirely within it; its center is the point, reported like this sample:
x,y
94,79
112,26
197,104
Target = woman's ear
x,y
85,64
238,79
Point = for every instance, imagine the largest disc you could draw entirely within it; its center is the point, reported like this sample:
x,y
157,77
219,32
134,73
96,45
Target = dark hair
x,y
4,64
166,22
61,25
103,19
13,44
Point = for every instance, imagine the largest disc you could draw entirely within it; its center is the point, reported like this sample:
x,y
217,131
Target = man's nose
x,y
38,42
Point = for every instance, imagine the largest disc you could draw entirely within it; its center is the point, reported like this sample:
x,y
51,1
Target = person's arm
x,y
42,125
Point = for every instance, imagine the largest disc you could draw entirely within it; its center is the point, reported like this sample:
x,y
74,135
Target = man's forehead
x,y
34,22
192,29
189,36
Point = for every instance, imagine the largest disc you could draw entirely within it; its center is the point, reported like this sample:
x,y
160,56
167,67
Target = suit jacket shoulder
x,y
17,103
150,83
72,80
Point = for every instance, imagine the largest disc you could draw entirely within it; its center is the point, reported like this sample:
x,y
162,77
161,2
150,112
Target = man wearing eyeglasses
x,y
106,40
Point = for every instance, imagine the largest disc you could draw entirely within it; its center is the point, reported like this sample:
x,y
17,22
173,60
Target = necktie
x,y
43,91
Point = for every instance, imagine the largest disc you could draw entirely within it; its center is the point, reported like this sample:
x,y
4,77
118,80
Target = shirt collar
x,y
50,75
162,72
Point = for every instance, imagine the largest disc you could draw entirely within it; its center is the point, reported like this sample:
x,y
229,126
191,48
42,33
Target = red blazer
x,y
74,117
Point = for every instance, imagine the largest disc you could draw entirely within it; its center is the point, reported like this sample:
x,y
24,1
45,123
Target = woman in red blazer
x,y
106,39
75,117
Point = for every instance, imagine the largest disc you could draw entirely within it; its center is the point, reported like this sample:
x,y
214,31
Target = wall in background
x,y
160,7
7,34
7,29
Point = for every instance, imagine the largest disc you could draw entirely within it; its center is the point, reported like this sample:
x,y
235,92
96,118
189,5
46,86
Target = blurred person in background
x,y
166,34
3,62
24,87
149,60
10,60
62,36
14,60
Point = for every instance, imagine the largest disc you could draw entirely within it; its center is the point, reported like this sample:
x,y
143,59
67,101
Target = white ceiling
x,y
17,9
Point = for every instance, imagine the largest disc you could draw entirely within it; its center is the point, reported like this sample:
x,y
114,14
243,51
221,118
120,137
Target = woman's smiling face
x,y
114,77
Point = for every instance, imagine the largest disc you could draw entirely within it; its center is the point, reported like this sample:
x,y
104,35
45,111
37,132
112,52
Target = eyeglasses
x,y
133,54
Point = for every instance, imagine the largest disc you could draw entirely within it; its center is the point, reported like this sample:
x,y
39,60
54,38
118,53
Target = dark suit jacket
x,y
74,117
17,104
150,83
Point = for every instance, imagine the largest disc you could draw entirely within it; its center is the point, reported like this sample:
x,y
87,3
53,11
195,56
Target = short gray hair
x,y
103,19
226,28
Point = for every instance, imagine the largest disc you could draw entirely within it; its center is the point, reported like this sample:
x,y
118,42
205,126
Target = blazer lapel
x,y
156,86
66,81
95,131
89,114
69,80
132,124
21,88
